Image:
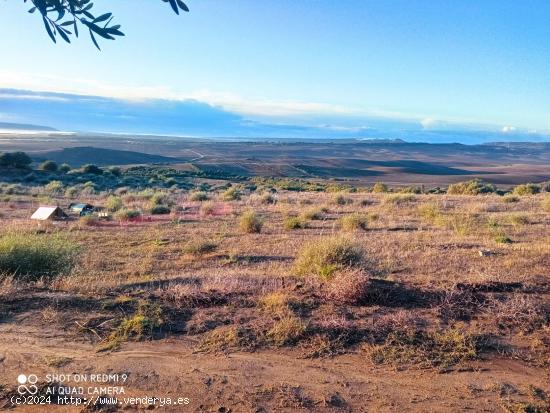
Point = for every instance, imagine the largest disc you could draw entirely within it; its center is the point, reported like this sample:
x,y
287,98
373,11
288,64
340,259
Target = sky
x,y
348,65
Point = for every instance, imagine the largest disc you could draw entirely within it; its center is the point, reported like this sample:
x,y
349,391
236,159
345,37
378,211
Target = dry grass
x,y
312,288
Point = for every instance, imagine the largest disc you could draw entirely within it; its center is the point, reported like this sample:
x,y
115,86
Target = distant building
x,y
81,209
45,213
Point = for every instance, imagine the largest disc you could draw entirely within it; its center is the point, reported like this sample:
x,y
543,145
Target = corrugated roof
x,y
80,206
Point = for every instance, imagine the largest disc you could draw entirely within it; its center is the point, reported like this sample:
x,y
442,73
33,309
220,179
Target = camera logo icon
x,y
27,384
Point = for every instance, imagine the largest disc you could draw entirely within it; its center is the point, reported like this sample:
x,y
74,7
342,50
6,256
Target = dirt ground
x,y
270,381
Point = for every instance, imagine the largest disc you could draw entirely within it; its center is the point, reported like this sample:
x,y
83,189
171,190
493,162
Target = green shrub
x,y
411,190
114,203
159,198
33,256
91,169
323,256
473,187
15,160
54,187
353,222
199,196
127,214
49,166
72,192
64,167
527,189
160,210
115,171
250,222
379,187
232,194
144,323
290,223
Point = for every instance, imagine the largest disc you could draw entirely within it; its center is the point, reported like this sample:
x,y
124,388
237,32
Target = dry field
x,y
347,302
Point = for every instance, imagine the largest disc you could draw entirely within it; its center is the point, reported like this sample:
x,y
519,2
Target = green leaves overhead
x,y
62,18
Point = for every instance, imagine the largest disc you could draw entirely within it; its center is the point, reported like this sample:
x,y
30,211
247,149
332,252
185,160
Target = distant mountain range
x,y
25,127
79,156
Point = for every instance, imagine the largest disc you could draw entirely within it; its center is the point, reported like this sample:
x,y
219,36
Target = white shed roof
x,y
46,212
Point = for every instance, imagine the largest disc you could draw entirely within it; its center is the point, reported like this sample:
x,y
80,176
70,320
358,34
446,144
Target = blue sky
x,y
446,64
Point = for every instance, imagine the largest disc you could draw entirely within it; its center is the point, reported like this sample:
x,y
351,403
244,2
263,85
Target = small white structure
x,y
45,213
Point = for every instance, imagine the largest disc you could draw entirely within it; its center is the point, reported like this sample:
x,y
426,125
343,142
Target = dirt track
x,y
265,381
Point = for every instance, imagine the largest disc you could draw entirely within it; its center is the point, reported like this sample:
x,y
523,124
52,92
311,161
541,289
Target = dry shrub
x,y
425,349
461,224
380,188
200,247
276,302
232,194
8,286
227,338
127,214
207,208
458,304
510,199
323,256
286,331
502,239
290,223
545,203
340,199
198,196
87,221
519,312
250,222
313,214
398,321
518,219
353,222
349,286
267,199
432,213
399,199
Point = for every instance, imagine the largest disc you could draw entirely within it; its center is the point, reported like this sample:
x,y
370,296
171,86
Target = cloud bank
x,y
198,118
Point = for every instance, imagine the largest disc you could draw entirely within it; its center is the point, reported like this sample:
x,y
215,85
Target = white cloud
x,y
428,122
508,129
